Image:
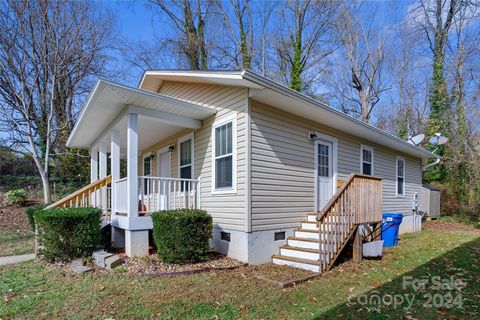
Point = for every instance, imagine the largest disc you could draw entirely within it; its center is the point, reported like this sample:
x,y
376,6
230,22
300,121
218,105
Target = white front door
x,y
164,165
324,163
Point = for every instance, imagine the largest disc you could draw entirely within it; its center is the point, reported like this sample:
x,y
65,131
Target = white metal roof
x,y
109,99
277,95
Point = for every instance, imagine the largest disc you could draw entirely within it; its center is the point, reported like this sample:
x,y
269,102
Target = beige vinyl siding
x,y
228,210
282,168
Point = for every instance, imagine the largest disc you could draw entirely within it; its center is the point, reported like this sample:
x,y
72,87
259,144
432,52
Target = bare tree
x,y
363,49
48,49
307,40
241,31
189,18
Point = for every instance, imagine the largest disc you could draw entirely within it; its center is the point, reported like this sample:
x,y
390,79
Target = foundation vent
x,y
225,236
279,236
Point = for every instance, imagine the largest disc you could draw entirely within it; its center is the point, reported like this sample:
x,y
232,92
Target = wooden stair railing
x,y
86,196
358,201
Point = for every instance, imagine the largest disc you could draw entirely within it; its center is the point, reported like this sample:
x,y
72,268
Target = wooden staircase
x,y
322,236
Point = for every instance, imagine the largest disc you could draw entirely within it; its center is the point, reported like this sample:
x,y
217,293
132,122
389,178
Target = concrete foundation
x,y
254,248
136,243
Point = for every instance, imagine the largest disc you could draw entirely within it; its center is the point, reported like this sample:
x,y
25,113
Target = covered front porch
x,y
116,125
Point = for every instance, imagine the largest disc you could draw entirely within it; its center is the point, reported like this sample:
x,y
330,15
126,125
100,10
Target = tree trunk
x,y
47,196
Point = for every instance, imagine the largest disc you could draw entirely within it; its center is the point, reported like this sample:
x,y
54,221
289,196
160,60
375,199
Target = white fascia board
x,y
251,76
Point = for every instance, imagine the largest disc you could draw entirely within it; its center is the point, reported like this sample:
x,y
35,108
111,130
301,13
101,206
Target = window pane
x,y
146,166
186,172
223,172
400,168
400,186
186,152
323,163
223,140
367,155
367,169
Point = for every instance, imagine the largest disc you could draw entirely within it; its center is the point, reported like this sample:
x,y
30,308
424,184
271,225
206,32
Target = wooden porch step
x,y
299,260
295,262
300,249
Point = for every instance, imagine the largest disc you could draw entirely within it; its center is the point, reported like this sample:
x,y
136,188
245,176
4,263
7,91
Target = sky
x,y
138,21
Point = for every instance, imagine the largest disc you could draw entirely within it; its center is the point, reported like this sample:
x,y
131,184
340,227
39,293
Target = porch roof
x,y
266,91
108,100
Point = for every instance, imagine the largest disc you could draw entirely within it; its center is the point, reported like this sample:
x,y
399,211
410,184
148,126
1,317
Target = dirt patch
x,y
12,217
440,225
281,276
151,265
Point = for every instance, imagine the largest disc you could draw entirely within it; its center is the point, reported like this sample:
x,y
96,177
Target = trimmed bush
x,y
15,197
182,236
69,233
30,211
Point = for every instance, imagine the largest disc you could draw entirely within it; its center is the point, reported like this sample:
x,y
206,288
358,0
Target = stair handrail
x,y
83,192
321,214
351,205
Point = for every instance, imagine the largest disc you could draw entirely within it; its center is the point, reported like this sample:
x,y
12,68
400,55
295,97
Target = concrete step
x,y
100,256
305,264
77,266
107,260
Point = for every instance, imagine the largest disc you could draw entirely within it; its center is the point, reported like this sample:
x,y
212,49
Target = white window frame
x,y
192,146
218,123
397,176
368,148
147,155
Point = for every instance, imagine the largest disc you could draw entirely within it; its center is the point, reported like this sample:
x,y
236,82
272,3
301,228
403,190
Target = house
x,y
260,158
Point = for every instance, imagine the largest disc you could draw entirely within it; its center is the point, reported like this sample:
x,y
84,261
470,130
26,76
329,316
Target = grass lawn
x,y
32,290
16,242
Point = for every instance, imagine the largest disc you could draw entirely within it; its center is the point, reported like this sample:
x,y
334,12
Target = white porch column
x,y
93,173
136,241
114,164
93,164
132,165
103,173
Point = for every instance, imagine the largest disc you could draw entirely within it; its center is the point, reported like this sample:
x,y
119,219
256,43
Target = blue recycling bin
x,y
391,224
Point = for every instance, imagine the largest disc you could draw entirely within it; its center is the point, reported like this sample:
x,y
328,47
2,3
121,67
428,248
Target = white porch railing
x,y
121,205
159,193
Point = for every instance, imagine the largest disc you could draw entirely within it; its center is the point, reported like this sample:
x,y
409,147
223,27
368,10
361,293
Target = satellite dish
x,y
416,140
438,139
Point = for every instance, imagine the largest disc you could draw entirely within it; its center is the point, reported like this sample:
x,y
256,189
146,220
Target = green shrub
x,y
182,236
15,197
69,233
30,211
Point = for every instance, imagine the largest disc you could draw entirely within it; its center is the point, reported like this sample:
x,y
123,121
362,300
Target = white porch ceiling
x,y
109,101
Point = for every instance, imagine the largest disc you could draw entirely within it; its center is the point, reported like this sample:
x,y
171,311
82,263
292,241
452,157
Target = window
x,y
323,160
147,171
185,159
147,166
224,156
400,176
366,160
